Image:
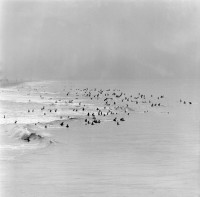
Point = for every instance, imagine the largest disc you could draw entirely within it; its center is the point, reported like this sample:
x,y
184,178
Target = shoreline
x,y
10,84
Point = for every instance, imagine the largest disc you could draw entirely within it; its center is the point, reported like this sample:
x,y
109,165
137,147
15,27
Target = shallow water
x,y
150,154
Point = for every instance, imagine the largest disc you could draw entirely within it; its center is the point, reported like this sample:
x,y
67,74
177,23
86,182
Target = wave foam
x,y
26,134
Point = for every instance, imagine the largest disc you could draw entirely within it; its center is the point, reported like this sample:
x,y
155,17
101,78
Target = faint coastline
x,y
9,82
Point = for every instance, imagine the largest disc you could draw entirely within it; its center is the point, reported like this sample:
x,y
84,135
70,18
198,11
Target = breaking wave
x,y
24,133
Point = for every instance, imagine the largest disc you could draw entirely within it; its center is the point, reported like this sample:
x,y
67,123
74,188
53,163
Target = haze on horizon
x,y
100,39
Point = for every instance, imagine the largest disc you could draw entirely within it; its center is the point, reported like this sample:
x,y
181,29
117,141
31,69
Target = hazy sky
x,y
100,39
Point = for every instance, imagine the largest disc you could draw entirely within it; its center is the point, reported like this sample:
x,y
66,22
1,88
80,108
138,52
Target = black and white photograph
x,y
100,98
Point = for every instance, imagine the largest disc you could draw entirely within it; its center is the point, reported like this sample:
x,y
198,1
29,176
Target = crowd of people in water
x,y
113,104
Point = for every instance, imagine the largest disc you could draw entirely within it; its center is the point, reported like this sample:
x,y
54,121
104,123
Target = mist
x,y
100,39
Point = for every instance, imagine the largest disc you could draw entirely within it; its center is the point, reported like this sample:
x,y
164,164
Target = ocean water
x,y
154,152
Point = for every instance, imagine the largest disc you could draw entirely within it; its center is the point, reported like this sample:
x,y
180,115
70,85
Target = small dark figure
x,y
67,126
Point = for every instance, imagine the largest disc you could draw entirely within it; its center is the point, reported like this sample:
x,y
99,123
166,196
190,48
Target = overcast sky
x,y
100,39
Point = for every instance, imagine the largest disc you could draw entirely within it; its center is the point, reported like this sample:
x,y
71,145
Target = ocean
x,y
140,138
